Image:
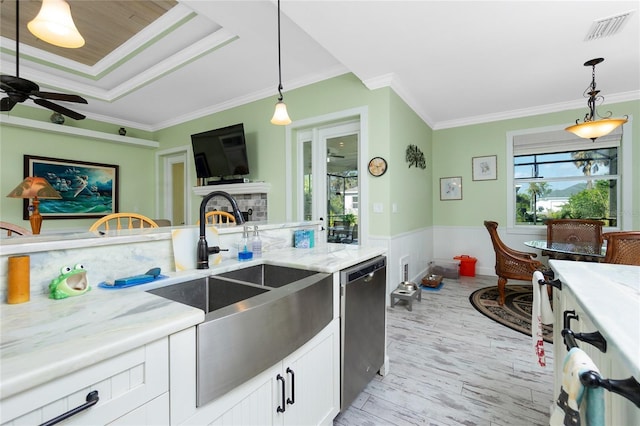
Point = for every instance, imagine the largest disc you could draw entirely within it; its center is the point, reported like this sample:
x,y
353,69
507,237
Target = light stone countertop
x,y
45,339
610,295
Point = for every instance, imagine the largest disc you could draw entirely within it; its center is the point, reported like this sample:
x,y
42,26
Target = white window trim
x,y
625,171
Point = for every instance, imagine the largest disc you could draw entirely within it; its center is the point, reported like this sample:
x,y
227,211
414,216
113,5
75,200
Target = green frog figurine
x,y
70,282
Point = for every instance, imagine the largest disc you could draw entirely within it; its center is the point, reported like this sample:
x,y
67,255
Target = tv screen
x,y
220,152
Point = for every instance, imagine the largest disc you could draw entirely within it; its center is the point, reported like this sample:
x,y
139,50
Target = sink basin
x,y
254,317
268,275
208,293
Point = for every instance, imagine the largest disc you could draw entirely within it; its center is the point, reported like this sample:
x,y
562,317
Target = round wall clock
x,y
377,166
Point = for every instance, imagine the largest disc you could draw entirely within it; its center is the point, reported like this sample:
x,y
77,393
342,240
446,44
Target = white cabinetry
x,y
132,389
309,383
618,410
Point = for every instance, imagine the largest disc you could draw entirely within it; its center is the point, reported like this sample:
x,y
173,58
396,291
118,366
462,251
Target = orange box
x,y
467,265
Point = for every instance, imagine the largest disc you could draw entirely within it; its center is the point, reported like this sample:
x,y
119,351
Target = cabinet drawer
x,y
124,383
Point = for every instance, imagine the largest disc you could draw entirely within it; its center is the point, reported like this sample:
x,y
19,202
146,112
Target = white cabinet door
x,y
124,383
312,387
618,410
253,403
312,380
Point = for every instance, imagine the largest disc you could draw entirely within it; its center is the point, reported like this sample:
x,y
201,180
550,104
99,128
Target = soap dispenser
x,y
256,243
244,247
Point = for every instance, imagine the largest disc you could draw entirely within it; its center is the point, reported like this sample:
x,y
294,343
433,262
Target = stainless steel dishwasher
x,y
362,323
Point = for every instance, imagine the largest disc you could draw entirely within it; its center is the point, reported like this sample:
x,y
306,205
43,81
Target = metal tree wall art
x,y
415,157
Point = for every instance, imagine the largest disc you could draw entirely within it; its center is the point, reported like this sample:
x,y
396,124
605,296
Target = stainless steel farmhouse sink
x,y
208,293
268,275
254,317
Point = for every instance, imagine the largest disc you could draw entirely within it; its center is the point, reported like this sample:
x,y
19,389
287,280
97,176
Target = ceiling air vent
x,y
608,26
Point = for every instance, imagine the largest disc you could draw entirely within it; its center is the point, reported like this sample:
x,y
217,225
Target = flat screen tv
x,y
220,153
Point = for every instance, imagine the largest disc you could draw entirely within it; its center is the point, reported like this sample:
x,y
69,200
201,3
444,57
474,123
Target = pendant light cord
x,y
279,59
18,39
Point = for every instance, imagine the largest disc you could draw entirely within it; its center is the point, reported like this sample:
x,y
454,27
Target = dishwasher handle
x,y
365,269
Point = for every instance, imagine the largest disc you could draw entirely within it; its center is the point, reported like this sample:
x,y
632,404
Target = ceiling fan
x,y
18,89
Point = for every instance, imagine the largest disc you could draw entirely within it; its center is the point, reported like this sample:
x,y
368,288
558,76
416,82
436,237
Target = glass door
x,y
329,179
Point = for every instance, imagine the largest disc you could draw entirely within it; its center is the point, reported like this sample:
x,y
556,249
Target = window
x,y
556,175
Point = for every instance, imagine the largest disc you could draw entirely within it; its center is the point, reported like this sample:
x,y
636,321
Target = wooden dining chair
x,y
14,229
623,247
583,234
123,221
216,217
510,263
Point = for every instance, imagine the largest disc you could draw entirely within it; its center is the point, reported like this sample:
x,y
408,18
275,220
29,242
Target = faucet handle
x,y
216,249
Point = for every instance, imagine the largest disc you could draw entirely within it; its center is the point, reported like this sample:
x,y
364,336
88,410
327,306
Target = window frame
x,y
625,172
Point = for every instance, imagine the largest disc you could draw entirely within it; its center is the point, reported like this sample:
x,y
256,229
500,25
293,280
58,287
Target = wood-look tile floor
x,y
450,365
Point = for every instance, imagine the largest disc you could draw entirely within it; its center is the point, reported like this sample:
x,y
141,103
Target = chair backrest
x,y
510,263
215,217
623,247
498,245
14,229
123,220
584,234
159,222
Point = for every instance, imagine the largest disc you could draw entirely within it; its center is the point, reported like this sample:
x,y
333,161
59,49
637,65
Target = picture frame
x,y
485,168
451,188
88,190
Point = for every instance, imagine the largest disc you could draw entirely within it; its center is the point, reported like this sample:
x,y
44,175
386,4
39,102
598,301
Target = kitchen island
x,y
56,345
605,298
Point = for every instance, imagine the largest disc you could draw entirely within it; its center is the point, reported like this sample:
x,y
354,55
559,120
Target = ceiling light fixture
x,y
280,115
591,127
54,25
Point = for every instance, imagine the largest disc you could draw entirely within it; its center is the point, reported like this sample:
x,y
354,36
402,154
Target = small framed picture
x,y
484,168
451,188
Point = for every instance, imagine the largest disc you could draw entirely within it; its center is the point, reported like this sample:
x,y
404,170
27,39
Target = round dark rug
x,y
516,311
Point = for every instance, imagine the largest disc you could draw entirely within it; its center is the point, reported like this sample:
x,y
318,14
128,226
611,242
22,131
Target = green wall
x,y
392,126
454,148
387,115
136,164
410,187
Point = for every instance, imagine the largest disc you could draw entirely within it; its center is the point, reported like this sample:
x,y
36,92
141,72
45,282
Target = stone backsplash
x,y
256,202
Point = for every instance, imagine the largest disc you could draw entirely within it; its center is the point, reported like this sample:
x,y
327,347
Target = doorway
x,y
173,192
329,189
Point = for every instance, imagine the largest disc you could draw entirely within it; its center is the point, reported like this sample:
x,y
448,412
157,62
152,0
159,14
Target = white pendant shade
x,y
597,128
280,115
55,25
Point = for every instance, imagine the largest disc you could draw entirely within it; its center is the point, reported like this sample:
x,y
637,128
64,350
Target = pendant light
x,y
280,115
54,25
591,127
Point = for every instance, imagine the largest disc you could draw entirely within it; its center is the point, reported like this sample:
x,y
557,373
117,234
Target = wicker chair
x,y
510,263
132,221
14,229
582,235
623,247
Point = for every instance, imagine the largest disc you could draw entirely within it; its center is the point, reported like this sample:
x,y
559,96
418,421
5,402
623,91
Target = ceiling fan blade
x,y
17,84
59,108
7,104
60,97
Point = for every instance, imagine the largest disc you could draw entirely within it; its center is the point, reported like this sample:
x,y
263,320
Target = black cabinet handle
x,y
282,407
92,399
292,400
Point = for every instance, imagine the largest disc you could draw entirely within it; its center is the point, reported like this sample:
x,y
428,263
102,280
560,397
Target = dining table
x,y
568,251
